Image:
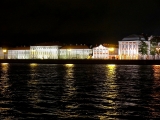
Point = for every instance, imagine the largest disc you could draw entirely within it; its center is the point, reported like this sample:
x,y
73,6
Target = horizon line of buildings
x,y
54,51
127,48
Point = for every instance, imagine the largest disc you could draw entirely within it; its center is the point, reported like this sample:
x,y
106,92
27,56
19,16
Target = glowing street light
x,y
111,49
69,49
111,52
4,50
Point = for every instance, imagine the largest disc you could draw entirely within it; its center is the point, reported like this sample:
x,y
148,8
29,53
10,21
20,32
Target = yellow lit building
x,y
113,51
75,52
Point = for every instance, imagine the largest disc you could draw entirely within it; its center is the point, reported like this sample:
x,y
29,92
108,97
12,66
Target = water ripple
x,y
72,91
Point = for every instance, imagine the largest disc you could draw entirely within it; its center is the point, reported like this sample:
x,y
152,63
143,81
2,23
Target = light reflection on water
x,y
109,93
4,78
5,93
72,91
154,104
69,91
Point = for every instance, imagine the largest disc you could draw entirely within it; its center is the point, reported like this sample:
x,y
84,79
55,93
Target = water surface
x,y
79,91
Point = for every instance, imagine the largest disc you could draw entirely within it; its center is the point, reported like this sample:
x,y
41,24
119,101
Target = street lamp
x,y
4,52
111,49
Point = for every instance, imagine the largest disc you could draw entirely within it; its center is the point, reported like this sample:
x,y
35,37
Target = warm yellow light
x,y
111,66
111,49
33,64
4,50
69,65
69,49
4,64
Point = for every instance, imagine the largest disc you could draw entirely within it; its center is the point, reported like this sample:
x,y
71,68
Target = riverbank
x,y
82,61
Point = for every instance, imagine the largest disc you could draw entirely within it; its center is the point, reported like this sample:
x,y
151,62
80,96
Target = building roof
x,y
134,37
75,47
100,46
19,48
48,44
110,45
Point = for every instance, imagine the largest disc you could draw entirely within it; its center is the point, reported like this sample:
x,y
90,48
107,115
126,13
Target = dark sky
x,y
25,22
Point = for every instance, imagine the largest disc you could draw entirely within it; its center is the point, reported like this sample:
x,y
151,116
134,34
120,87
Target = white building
x,y
75,52
19,53
129,47
44,51
100,52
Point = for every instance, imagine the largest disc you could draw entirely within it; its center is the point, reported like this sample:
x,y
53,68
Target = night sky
x,y
26,22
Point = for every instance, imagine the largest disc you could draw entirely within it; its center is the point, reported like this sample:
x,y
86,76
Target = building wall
x,y
44,52
1,53
49,52
100,52
18,54
130,49
75,53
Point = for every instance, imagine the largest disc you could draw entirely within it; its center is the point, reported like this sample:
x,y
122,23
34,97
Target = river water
x,y
79,91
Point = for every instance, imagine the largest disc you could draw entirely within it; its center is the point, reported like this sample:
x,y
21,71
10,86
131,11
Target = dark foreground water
x,y
92,92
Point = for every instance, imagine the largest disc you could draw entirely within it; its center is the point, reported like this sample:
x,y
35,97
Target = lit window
x,y
130,46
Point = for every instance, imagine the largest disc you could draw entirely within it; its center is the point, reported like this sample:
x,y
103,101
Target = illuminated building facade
x,y
100,52
75,52
44,52
129,47
19,53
